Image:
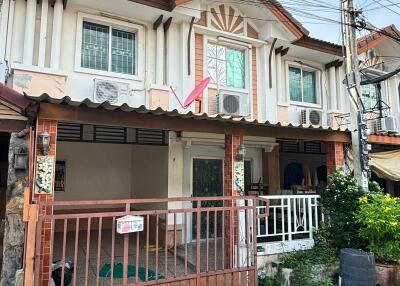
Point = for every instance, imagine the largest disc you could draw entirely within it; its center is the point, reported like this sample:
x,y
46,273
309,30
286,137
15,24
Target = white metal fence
x,y
290,223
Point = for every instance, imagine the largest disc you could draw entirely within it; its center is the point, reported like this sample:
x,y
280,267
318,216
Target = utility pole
x,y
360,146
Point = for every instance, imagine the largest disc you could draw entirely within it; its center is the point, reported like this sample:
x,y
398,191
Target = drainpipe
x,y
160,54
270,62
30,18
56,36
43,33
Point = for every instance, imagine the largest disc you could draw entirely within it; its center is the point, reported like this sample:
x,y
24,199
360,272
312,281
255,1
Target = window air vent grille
x,y
110,134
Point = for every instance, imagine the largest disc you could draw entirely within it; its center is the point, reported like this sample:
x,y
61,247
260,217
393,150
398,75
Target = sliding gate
x,y
175,241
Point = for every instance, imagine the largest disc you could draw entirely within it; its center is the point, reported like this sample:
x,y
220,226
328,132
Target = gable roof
x,y
286,18
319,45
283,15
375,38
13,98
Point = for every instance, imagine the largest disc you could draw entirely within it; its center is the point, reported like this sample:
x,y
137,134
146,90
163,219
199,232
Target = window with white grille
x,y
107,48
226,66
110,47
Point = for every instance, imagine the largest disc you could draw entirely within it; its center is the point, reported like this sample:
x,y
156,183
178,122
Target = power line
x,y
390,9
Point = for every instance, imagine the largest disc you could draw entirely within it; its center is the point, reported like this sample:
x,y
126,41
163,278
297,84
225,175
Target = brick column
x,y
232,143
334,156
51,127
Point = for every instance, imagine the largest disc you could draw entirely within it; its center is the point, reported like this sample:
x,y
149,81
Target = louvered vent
x,y
289,146
110,134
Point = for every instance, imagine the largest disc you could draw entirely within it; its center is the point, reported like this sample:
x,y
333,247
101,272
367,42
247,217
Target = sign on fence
x,y
129,223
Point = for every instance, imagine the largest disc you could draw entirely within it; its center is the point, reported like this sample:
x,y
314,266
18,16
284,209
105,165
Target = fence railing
x,y
201,240
290,223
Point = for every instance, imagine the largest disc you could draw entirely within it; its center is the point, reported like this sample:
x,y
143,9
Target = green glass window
x,y
226,66
302,85
295,84
369,94
103,44
95,46
122,52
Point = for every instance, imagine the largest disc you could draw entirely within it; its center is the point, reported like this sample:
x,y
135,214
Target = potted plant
x,y
379,217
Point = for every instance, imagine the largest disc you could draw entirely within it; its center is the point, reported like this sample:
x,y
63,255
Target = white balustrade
x,y
290,223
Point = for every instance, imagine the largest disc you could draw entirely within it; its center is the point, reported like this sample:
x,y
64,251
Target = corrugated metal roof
x,y
174,113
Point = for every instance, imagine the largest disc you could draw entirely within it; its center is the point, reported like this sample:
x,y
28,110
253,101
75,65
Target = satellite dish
x,y
195,95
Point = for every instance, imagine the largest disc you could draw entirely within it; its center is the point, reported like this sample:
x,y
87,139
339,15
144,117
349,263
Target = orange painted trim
x,y
288,23
383,139
372,44
179,2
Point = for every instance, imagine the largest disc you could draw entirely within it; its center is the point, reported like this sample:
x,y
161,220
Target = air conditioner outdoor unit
x,y
310,117
385,125
111,91
230,103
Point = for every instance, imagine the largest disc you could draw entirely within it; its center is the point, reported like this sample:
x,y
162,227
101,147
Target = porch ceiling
x,y
88,112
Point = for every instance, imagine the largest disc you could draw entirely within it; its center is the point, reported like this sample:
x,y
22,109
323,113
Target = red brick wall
x,y
334,156
232,142
51,127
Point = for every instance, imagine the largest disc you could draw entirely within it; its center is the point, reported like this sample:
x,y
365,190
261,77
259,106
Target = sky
x,y
373,11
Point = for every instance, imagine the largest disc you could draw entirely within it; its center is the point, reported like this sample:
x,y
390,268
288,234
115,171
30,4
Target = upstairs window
x,y
226,66
106,48
302,85
369,95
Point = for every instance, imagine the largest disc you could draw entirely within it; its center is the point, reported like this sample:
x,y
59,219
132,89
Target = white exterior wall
x,y
80,85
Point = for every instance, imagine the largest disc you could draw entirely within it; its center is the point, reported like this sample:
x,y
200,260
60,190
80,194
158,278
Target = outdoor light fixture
x,y
20,158
44,138
241,152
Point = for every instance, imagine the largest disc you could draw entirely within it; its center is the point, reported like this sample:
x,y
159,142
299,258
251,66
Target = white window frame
x,y
318,88
138,30
247,64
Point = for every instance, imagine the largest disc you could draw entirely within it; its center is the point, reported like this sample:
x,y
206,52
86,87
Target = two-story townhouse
x,y
105,79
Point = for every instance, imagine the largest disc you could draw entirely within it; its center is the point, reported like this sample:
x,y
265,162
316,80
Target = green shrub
x,y
379,217
304,263
340,203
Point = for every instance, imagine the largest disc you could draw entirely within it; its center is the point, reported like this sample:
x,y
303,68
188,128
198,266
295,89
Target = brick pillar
x,y
51,127
232,142
334,156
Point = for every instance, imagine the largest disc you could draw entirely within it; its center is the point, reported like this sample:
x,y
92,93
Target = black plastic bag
x,y
57,272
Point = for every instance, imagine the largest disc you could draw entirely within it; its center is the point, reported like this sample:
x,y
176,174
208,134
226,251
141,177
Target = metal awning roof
x,y
175,113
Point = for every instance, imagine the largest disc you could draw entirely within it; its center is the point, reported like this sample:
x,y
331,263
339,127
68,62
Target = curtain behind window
x,y
309,87
294,84
235,68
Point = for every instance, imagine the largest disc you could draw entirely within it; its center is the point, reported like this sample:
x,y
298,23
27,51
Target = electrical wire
x,y
390,9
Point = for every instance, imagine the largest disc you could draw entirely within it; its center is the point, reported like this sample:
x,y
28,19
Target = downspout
x,y
188,44
270,62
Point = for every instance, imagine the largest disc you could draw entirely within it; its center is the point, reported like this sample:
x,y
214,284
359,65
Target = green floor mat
x,y
105,271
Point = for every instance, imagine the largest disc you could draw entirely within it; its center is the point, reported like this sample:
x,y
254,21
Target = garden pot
x,y
388,274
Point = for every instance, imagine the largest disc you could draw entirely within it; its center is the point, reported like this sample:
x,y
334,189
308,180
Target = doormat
x,y
105,271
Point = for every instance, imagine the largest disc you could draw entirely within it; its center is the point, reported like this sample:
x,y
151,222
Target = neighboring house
x,y
101,76
378,57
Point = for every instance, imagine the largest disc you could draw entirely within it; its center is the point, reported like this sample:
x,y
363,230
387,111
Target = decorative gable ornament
x,y
226,18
